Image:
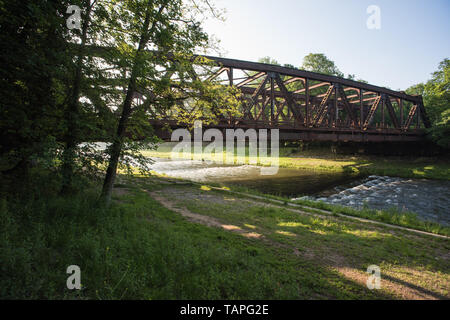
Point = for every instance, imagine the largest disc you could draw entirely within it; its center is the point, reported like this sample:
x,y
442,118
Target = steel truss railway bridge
x,y
310,106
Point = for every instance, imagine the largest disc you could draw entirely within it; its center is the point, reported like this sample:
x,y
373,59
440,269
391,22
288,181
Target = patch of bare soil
x,y
205,220
198,195
390,283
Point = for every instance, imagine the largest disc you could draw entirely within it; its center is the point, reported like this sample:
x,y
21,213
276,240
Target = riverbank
x,y
389,216
169,239
319,159
409,261
413,203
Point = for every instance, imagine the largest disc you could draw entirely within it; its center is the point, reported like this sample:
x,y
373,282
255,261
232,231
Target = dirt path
x,y
391,283
337,214
198,218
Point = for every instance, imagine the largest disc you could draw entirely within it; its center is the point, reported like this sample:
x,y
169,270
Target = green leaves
x,y
436,95
318,62
59,95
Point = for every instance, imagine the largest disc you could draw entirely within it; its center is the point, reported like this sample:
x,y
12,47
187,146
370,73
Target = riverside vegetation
x,y
142,248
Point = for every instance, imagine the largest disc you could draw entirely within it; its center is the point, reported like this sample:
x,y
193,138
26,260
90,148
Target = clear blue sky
x,y
413,39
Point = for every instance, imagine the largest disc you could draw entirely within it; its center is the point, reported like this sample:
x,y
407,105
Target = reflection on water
x,y
430,199
287,182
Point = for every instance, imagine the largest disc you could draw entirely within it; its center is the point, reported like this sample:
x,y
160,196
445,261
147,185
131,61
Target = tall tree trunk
x,y
72,135
116,147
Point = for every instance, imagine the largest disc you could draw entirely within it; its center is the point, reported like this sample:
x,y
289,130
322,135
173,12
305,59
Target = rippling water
x,y
430,199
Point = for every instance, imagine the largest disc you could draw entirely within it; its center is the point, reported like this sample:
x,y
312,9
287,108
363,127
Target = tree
x,y
437,91
417,89
33,60
318,62
436,97
156,40
437,101
72,114
269,60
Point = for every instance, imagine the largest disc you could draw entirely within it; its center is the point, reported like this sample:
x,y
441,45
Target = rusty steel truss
x,y
311,106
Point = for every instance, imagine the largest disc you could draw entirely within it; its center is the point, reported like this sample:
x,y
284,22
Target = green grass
x,y
390,216
138,249
313,232
348,242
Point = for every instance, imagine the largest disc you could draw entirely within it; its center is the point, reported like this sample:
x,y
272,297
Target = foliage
x,y
436,96
318,62
155,43
63,90
33,69
269,60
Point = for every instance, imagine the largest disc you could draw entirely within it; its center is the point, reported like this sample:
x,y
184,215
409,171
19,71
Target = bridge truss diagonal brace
x,y
347,106
424,116
371,113
289,99
410,118
254,98
392,112
218,73
323,107
260,88
247,105
250,79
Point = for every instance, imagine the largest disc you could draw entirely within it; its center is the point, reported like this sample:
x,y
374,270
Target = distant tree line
x,y
436,98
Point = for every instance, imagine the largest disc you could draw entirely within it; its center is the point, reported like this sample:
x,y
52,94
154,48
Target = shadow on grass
x,y
414,287
336,243
402,169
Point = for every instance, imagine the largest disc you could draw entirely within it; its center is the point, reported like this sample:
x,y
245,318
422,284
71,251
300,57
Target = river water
x,y
430,199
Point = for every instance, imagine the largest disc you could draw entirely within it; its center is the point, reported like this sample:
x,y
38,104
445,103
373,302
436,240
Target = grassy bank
x,y
338,244
141,249
391,216
138,249
320,159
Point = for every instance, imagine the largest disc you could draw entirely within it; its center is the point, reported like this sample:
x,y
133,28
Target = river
x,y
430,199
